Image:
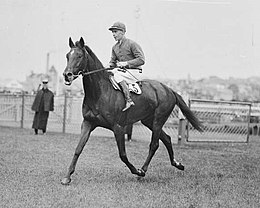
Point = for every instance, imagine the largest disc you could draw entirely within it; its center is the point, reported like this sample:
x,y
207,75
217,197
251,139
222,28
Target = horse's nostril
x,y
69,74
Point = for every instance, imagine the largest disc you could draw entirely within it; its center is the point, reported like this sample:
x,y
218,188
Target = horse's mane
x,y
97,62
94,57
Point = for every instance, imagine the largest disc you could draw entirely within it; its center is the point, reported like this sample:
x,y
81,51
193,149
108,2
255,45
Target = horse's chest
x,y
88,115
92,115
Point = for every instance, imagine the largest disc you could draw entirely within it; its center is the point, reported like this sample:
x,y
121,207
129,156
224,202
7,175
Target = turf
x,y
216,175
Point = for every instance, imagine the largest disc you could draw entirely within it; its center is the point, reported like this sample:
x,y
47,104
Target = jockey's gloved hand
x,y
122,64
108,66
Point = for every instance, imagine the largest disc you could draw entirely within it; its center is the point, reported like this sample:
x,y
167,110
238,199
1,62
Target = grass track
x,y
216,175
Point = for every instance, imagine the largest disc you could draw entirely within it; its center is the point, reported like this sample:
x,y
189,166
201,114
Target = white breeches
x,y
130,76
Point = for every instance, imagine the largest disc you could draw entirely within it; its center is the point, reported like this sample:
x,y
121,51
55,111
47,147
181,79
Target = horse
x,y
129,131
102,107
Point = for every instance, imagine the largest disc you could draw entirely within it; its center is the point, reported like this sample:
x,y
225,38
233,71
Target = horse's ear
x,y
71,44
81,42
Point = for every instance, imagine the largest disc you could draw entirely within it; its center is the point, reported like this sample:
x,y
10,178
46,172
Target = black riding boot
x,y
129,101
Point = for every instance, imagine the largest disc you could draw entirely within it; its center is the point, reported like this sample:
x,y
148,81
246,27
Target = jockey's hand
x,y
113,70
122,64
108,66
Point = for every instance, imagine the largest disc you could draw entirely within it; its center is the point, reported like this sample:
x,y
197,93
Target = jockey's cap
x,y
118,26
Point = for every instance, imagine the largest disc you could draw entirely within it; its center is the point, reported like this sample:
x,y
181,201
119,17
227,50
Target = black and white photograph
x,y
121,104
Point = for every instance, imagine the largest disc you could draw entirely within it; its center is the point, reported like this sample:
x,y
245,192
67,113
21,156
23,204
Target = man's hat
x,y
45,81
118,26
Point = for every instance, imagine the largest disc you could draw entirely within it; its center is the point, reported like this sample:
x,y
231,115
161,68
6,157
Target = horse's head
x,y
77,59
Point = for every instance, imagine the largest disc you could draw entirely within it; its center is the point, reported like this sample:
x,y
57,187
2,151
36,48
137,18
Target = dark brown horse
x,y
102,106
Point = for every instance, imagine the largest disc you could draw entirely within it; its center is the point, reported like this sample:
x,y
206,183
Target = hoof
x,y
141,173
179,166
65,181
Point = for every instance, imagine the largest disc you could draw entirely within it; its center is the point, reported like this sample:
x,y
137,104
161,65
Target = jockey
x,y
127,58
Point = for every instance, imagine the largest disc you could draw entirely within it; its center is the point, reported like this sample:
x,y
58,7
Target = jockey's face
x,y
118,34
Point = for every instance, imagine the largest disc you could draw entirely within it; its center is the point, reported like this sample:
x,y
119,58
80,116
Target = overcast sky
x,y
180,38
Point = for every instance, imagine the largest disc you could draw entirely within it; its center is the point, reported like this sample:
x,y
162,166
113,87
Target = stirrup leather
x,y
129,103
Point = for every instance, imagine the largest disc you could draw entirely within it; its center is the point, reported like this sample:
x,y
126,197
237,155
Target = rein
x,y
95,71
103,69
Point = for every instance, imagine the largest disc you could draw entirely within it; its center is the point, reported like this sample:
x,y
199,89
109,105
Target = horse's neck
x,y
94,86
90,86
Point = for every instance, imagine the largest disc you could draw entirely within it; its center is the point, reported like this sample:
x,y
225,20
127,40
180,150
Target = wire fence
x,y
15,111
223,121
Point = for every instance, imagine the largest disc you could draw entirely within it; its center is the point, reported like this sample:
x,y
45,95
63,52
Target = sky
x,y
180,38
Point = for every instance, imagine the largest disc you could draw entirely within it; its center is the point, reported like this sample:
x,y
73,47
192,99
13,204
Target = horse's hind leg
x,y
86,129
156,127
120,140
166,139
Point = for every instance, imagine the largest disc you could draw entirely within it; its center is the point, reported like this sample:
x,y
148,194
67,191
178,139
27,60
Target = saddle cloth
x,y
133,87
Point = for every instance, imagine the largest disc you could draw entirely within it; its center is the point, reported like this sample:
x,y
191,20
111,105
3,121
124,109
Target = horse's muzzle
x,y
68,78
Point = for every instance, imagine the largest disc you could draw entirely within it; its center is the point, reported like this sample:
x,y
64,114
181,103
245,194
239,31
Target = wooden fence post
x,y
64,113
22,110
182,131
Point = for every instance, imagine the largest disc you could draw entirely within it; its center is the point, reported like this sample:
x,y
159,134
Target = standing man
x,y
43,103
128,57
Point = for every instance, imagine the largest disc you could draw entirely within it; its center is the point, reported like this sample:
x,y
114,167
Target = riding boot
x,y
129,101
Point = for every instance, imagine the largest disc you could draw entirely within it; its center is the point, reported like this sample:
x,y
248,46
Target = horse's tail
x,y
188,113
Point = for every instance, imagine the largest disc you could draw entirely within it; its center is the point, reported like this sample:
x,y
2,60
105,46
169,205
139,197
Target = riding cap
x,y
118,26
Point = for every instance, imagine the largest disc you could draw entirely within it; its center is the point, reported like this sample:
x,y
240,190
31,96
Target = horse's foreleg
x,y
120,140
86,129
154,144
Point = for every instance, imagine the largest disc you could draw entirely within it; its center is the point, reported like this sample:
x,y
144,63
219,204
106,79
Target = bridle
x,y
83,72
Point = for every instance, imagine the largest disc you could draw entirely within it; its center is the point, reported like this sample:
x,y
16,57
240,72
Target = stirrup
x,y
129,103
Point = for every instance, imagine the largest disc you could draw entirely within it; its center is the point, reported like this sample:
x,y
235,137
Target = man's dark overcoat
x,y
43,103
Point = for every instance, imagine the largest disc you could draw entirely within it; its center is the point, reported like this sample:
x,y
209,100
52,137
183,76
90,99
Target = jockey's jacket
x,y
127,50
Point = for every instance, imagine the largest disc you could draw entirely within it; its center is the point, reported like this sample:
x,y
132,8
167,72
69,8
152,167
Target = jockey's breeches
x,y
130,75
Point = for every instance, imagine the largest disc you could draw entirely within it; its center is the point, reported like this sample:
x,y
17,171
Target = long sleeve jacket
x,y
127,50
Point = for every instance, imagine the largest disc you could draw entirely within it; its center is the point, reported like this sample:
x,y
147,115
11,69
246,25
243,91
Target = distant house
x,y
11,86
33,81
53,78
56,83
223,94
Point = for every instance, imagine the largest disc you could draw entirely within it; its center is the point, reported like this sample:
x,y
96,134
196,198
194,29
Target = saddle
x,y
133,87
